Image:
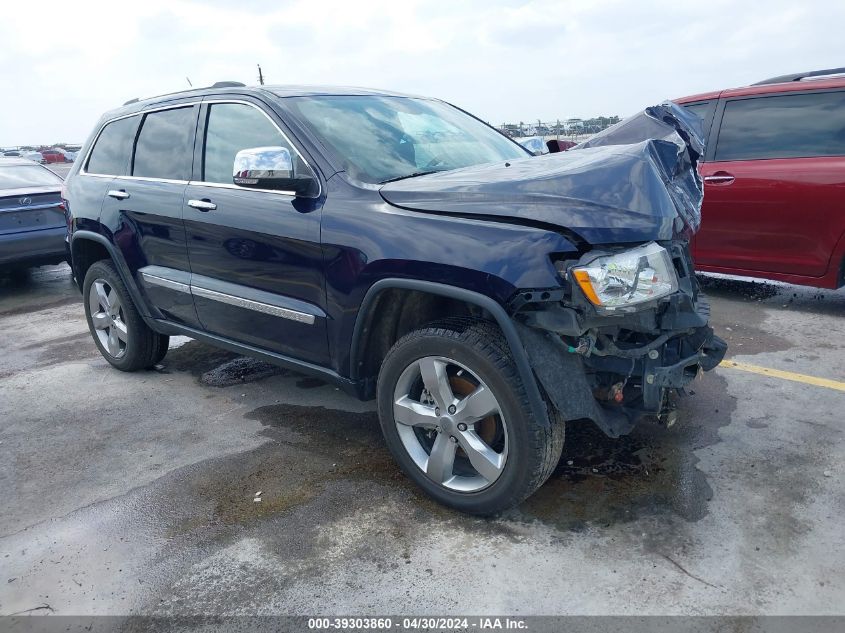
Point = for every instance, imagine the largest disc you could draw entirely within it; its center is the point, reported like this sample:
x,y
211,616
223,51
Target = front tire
x,y
456,418
118,330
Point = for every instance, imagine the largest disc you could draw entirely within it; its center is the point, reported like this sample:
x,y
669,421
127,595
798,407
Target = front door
x,y
255,255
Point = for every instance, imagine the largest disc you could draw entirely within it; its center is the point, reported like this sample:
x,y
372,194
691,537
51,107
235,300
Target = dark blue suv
x,y
406,251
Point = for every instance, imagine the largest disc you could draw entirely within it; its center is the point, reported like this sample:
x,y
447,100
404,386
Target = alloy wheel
x,y
107,318
451,424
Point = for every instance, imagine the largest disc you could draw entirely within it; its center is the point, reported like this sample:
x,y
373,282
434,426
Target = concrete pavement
x,y
134,493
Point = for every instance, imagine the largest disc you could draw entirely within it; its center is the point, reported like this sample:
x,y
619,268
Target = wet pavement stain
x,y
23,291
322,466
196,357
40,306
66,349
601,481
311,447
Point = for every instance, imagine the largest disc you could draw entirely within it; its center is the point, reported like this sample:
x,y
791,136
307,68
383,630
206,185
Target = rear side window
x,y
232,127
165,144
785,126
111,151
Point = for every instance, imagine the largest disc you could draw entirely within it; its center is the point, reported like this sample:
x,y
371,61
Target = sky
x,y
63,63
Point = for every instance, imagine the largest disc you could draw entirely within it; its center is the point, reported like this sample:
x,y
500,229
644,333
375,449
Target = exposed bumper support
x,y
569,379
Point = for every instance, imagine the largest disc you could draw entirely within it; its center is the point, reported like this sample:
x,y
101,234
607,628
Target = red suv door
x,y
774,197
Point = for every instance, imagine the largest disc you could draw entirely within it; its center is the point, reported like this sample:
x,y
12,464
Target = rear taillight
x,y
64,206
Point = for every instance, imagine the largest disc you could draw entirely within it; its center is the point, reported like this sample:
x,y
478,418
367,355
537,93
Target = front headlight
x,y
635,276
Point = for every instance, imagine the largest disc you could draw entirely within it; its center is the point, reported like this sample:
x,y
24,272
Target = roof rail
x,y
217,84
799,76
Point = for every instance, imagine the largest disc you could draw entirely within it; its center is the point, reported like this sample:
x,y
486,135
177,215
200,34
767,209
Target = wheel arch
x,y
87,247
372,299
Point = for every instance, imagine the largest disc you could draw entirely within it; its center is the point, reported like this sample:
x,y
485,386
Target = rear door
x,y
256,260
774,196
144,209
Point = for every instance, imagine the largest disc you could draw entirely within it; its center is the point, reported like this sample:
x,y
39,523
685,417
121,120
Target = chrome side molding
x,y
249,304
228,299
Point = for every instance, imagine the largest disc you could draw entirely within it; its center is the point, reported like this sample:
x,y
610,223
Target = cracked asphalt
x,y
134,493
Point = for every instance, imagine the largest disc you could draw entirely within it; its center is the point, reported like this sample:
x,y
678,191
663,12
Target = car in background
x,y
32,218
70,156
774,179
53,156
12,153
36,157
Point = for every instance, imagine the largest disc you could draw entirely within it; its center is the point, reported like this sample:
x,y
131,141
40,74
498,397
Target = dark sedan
x,y
32,220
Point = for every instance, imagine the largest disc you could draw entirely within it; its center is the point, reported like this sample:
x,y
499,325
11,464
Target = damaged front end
x,y
627,328
616,366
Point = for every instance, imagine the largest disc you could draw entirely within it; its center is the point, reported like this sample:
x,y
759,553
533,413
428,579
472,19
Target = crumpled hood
x,y
635,182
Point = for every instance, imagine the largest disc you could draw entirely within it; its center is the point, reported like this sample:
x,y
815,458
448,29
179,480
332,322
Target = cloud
x,y
64,63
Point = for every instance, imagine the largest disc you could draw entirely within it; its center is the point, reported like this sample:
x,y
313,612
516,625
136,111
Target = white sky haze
x,y
63,63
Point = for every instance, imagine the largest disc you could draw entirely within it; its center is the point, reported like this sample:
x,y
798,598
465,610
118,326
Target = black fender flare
x,y
120,264
520,356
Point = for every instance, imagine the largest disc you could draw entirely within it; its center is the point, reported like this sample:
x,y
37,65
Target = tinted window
x,y
704,111
789,126
111,151
232,127
16,176
165,145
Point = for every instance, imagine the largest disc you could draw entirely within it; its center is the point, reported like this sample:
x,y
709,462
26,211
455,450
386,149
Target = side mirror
x,y
271,168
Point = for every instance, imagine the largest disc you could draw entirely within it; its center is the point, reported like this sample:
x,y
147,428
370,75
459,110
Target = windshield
x,y
17,176
380,138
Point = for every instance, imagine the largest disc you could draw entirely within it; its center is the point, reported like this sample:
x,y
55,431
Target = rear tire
x,y
480,466
118,330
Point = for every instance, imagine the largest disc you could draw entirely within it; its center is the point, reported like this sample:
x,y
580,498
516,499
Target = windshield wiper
x,y
414,175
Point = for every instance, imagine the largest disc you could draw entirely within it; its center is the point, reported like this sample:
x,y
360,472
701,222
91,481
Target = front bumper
x,y
617,369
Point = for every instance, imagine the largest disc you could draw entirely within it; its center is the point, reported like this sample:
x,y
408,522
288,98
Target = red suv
x,y
774,179
53,156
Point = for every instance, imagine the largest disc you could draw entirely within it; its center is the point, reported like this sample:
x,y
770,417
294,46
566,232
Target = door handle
x,y
202,205
720,178
118,194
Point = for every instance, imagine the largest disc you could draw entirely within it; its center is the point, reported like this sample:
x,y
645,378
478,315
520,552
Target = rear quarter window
x,y
110,155
783,126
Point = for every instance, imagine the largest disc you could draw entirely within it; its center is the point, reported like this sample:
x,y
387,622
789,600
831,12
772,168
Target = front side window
x,y
233,127
783,126
165,144
110,155
382,138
